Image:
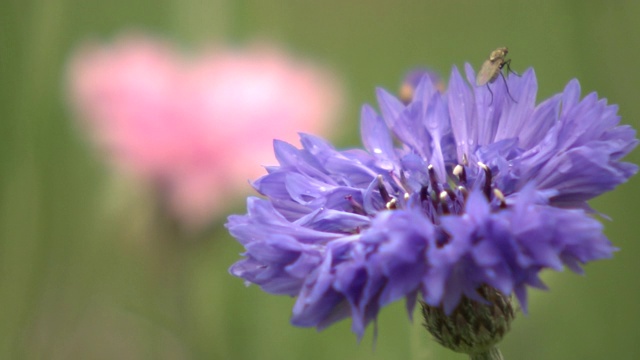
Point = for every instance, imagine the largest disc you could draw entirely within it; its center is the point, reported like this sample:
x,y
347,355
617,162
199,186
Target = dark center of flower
x,y
437,198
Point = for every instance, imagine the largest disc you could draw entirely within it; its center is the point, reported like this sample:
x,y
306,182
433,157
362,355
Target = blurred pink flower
x,y
195,127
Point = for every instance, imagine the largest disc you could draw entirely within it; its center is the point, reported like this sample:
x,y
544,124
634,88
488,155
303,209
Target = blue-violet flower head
x,y
454,190
413,78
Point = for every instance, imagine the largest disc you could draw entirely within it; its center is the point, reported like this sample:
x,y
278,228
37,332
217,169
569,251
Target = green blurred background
x,y
71,288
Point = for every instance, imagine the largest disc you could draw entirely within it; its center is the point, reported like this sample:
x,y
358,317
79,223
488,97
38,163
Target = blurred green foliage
x,y
72,285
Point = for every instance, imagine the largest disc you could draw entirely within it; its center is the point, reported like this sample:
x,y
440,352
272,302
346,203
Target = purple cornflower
x,y
453,191
413,78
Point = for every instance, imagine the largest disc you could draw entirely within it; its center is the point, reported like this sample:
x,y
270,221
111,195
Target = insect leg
x,y
506,86
508,64
491,92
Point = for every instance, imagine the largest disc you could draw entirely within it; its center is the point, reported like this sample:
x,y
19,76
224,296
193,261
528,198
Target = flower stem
x,y
491,354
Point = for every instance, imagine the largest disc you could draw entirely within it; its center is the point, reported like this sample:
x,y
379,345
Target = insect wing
x,y
488,72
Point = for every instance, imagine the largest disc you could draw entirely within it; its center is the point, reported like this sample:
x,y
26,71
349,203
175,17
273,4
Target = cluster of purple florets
x,y
452,191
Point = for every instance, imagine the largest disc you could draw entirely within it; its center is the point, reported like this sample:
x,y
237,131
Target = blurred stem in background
x,y
26,224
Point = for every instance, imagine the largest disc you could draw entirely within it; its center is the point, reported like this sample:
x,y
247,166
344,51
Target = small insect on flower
x,y
492,67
